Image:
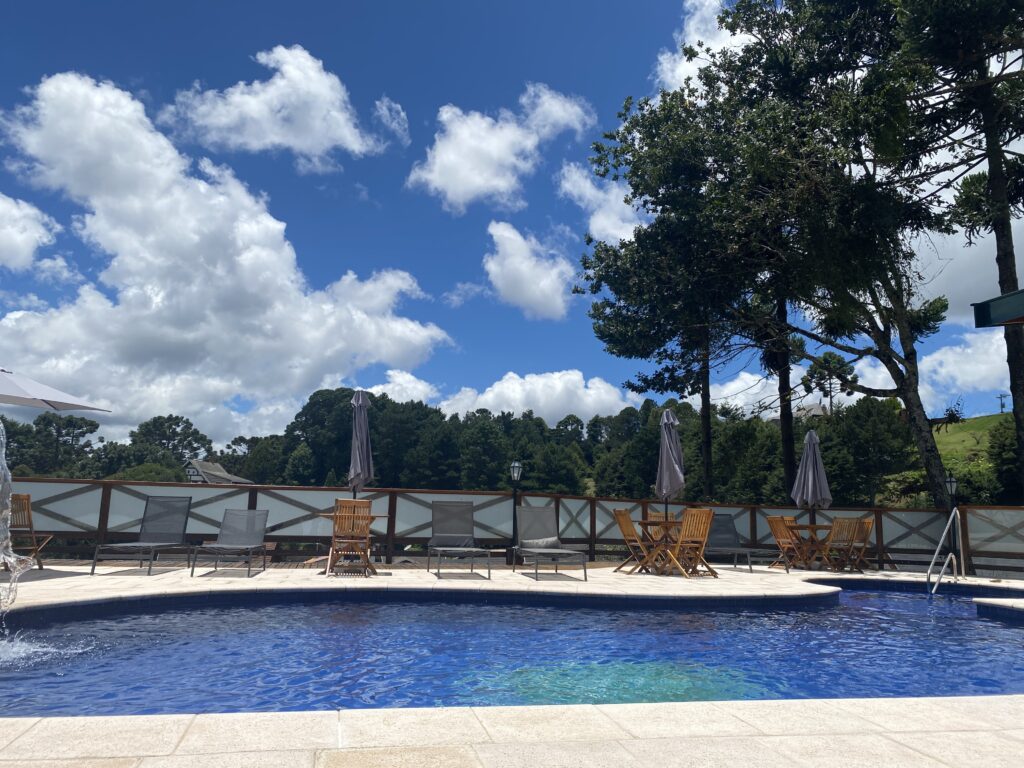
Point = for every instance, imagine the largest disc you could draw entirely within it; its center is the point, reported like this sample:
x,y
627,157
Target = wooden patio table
x,y
659,556
816,538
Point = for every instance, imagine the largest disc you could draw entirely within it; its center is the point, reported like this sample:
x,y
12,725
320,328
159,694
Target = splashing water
x,y
15,564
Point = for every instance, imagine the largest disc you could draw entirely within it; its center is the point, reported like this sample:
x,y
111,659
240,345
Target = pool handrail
x,y
954,515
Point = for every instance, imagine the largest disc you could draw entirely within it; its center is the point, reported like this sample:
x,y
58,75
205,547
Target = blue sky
x,y
185,189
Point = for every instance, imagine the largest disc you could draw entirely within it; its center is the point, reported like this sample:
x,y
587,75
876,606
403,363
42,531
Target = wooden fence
x,y
81,512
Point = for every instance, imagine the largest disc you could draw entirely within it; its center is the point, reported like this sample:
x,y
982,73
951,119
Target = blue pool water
x,y
323,656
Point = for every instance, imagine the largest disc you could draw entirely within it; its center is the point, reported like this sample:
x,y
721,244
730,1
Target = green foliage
x,y
175,434
1002,457
151,473
830,375
299,468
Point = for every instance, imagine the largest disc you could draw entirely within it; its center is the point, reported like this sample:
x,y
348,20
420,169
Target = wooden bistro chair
x,y
692,541
838,549
792,548
859,551
351,535
23,529
634,543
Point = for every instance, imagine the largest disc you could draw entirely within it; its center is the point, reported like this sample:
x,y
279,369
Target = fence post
x,y
593,529
879,541
101,524
968,564
389,546
643,509
254,494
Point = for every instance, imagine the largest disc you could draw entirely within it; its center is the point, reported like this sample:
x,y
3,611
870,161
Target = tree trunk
x,y
1005,258
782,371
705,423
924,438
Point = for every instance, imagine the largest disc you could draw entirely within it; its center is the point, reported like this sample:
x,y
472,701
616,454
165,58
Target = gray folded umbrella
x,y
360,468
671,479
811,487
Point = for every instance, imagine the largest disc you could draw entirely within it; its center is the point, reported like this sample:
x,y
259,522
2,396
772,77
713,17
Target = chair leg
x,y
193,557
152,557
95,557
750,566
488,566
584,561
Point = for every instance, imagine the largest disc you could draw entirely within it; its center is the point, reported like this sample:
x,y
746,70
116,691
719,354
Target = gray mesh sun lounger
x,y
537,529
724,539
452,535
240,538
163,527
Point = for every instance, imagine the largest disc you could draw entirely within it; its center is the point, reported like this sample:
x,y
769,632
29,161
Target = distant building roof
x,y
211,472
811,409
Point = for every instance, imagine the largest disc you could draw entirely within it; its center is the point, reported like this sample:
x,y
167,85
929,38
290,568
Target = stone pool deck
x,y
983,731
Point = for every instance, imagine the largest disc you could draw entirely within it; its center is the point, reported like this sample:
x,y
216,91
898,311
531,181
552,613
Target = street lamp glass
x,y
951,484
516,470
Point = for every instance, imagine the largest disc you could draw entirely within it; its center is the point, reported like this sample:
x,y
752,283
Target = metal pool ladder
x,y
951,557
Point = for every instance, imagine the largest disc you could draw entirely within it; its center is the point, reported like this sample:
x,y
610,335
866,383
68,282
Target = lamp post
x,y
951,491
515,471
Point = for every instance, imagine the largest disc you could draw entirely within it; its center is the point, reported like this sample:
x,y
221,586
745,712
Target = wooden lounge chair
x,y
634,543
692,540
23,530
792,549
351,536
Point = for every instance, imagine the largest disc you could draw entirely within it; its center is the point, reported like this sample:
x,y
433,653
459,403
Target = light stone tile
x,y
996,712
400,757
261,731
924,714
1017,733
575,754
785,716
705,752
965,747
548,723
12,727
859,749
102,762
60,738
676,719
272,759
413,727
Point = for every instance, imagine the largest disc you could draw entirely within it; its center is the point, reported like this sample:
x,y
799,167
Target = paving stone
x,y
260,731
273,759
60,738
412,727
965,748
576,754
785,716
400,757
548,723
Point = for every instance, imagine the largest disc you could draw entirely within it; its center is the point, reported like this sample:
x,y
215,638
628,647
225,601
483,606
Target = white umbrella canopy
x,y
16,389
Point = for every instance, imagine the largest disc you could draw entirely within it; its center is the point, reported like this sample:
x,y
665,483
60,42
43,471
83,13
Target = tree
x,y
300,468
58,442
829,375
1002,454
484,453
176,434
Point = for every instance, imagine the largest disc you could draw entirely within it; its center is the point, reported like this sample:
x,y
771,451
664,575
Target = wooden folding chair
x,y
792,549
634,543
351,535
859,550
838,548
692,540
22,529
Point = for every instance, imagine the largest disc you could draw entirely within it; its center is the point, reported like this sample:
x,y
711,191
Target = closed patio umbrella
x,y
811,487
671,479
360,468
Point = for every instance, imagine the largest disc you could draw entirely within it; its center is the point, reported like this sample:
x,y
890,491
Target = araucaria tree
x,y
760,171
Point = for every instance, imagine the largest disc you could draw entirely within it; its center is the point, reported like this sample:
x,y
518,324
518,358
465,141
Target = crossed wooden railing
x,y
82,512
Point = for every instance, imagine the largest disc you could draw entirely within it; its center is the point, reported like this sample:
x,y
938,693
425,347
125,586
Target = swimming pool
x,y
293,655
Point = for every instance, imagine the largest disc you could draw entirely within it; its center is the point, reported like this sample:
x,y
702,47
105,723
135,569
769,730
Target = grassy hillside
x,y
968,437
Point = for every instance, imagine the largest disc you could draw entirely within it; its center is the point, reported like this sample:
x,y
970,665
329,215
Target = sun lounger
x,y
724,539
538,540
163,527
453,535
240,538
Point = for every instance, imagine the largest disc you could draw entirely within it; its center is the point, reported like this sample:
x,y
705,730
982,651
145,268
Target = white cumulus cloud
x,y
527,275
391,115
302,108
403,387
202,300
611,218
700,24
24,229
463,292
477,157
57,270
551,396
